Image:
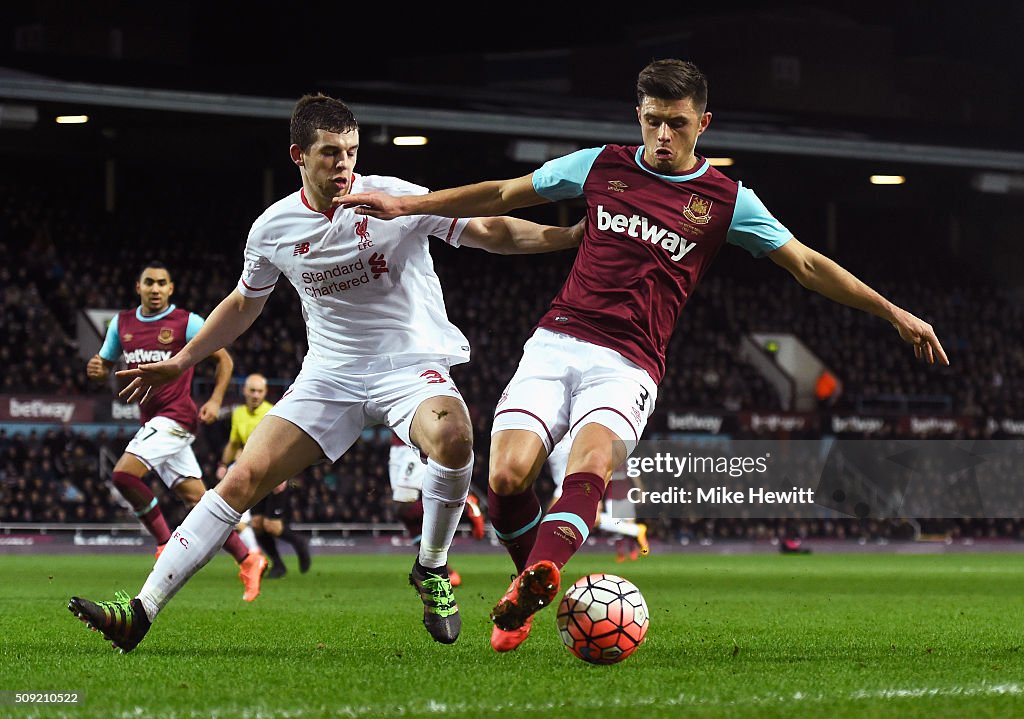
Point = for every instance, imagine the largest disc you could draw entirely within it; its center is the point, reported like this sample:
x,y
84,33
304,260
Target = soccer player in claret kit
x,y
154,330
380,345
657,215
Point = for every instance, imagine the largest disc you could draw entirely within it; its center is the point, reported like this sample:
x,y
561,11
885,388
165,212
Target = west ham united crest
x,y
166,336
698,210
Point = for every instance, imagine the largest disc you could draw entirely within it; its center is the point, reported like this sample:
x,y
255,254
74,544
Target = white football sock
x,y
625,527
249,539
200,535
444,495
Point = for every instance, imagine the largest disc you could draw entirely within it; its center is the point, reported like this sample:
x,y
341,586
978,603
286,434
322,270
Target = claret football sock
x,y
410,514
515,518
234,546
144,505
569,521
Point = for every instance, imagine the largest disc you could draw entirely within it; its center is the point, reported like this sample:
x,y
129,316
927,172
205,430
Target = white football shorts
x,y
557,462
406,470
165,447
563,384
333,406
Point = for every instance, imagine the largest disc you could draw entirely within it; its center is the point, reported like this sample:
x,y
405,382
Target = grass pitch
x,y
730,636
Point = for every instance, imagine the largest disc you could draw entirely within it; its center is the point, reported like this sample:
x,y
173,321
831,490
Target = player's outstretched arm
x,y
484,199
229,319
209,411
512,236
817,272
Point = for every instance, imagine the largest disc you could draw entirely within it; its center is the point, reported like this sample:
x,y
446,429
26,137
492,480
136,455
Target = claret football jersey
x,y
649,239
137,339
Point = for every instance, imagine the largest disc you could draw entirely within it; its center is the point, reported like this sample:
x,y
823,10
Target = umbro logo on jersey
x,y
301,248
617,186
642,229
378,265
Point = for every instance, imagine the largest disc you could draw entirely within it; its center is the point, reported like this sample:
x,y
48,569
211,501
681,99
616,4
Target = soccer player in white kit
x,y
380,345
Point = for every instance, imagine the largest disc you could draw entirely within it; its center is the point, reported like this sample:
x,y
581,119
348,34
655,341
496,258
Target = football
x,y
602,618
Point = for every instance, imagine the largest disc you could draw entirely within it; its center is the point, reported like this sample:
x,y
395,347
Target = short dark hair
x,y
319,112
153,265
673,80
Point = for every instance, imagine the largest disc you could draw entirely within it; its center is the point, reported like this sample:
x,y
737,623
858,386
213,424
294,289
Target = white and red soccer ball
x,y
602,618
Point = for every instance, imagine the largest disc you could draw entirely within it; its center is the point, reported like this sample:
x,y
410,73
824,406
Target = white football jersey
x,y
368,289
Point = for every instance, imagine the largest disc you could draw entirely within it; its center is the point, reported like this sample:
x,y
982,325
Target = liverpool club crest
x,y
698,210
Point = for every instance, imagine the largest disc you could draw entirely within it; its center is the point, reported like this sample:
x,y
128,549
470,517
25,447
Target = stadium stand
x,y
59,264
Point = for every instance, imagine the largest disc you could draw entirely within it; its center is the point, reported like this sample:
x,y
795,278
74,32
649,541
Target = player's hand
x,y
374,204
222,469
919,333
95,369
147,376
209,412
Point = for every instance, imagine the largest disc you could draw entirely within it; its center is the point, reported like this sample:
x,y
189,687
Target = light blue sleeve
x,y
195,323
563,177
111,349
754,228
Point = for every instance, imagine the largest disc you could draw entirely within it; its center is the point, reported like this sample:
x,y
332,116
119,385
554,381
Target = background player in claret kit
x,y
657,215
157,329
380,345
268,518
406,471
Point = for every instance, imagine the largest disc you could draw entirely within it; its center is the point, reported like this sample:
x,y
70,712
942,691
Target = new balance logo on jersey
x,y
378,265
640,228
145,356
301,248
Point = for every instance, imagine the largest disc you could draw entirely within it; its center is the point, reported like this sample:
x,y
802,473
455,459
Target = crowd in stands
x,y
58,477
63,260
